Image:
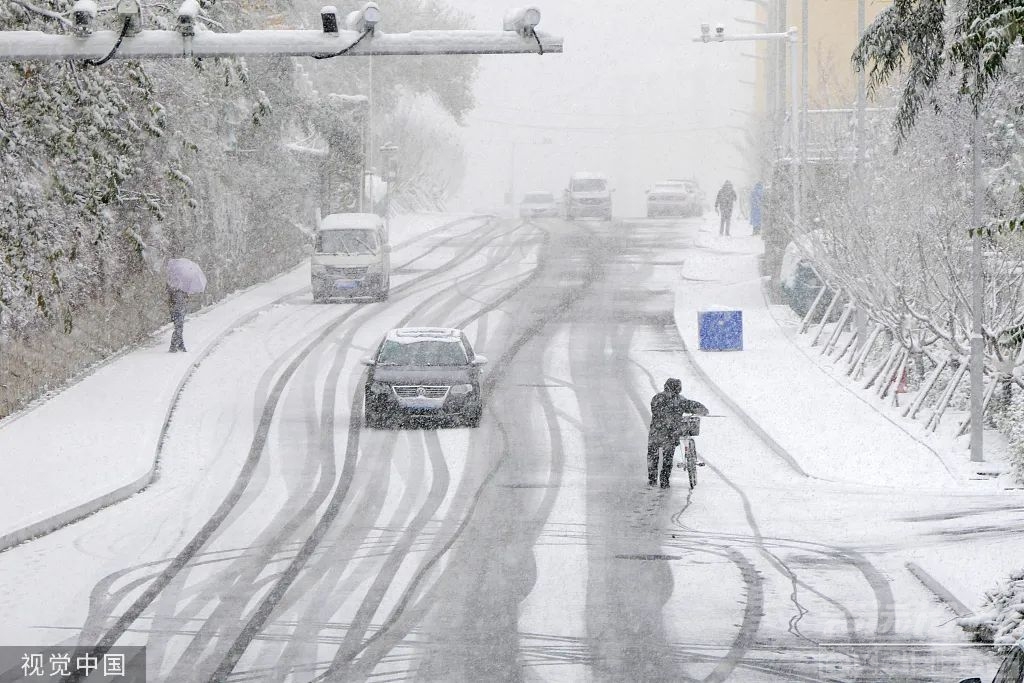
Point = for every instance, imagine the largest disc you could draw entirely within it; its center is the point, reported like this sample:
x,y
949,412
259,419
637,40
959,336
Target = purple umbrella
x,y
185,275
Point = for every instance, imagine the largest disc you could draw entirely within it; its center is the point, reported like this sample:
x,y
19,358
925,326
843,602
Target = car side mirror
x,y
479,360
368,360
970,680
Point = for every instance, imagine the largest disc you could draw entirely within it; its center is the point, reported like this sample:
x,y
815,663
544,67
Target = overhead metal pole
x,y
977,366
49,47
861,89
368,151
805,74
793,36
860,315
794,130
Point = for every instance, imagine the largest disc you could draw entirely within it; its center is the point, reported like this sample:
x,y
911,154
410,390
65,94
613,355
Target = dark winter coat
x,y
178,302
666,410
725,199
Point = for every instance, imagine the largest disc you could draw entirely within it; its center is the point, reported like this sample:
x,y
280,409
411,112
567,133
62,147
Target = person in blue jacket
x,y
756,205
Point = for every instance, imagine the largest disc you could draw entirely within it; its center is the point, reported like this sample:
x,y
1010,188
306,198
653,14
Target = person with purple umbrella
x,y
184,277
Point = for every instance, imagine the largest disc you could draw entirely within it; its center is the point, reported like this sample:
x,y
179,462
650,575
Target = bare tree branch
x,y
49,14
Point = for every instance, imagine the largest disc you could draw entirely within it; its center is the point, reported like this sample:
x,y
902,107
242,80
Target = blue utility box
x,y
720,330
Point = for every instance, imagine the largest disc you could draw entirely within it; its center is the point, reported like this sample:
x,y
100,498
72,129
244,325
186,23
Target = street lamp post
x,y
388,151
793,36
977,348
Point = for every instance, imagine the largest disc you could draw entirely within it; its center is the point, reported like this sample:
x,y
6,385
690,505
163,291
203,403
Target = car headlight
x,y
379,388
462,389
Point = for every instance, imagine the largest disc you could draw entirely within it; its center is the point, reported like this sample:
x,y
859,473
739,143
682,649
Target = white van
x,y
588,194
351,257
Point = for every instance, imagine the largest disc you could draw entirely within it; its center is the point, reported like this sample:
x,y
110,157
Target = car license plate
x,y
345,284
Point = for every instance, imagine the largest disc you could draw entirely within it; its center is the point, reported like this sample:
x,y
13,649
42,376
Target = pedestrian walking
x,y
667,407
756,204
724,202
184,277
177,300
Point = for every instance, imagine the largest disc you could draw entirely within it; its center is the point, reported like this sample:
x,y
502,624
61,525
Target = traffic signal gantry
x,y
354,34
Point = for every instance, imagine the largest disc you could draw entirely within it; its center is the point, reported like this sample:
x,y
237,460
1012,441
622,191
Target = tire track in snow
x,y
885,600
268,604
501,368
235,492
496,259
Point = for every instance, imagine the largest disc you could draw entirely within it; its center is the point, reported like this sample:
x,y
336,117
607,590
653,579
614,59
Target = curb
x,y
852,392
742,414
121,493
940,591
79,512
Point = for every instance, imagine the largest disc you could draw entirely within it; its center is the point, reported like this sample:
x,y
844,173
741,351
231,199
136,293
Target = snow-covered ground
x,y
531,542
854,440
97,441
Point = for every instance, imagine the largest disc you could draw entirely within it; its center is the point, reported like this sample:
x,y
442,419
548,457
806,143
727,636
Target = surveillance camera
x,y
329,19
371,15
719,29
188,12
130,13
365,19
522,20
83,12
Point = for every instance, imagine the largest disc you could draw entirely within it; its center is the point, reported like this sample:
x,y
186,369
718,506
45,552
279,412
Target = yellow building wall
x,y
832,36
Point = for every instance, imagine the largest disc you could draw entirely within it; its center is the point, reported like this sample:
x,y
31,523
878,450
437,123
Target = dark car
x,y
423,373
1010,671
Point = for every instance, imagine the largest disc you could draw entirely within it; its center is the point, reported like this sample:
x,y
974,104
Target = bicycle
x,y
690,426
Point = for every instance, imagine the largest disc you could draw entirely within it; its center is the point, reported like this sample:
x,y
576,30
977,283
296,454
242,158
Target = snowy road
x,y
284,541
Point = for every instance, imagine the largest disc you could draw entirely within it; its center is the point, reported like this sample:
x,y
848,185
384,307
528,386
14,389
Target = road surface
x,y
283,541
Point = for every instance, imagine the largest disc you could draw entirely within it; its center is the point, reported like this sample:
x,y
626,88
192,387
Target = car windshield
x,y
1011,669
347,242
539,198
589,185
429,352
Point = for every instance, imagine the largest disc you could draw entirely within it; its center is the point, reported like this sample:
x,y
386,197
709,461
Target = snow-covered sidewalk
x,y
95,443
813,423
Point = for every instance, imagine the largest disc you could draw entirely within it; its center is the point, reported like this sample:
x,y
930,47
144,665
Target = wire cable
x,y
346,49
540,46
113,50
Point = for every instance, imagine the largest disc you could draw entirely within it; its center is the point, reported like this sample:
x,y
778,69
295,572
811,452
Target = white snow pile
x,y
1000,620
809,247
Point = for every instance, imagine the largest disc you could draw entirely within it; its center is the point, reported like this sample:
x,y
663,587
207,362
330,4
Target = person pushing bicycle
x,y
668,408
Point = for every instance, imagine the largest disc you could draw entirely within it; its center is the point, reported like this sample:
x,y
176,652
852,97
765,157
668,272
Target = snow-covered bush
x,y
1000,620
107,170
1011,423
